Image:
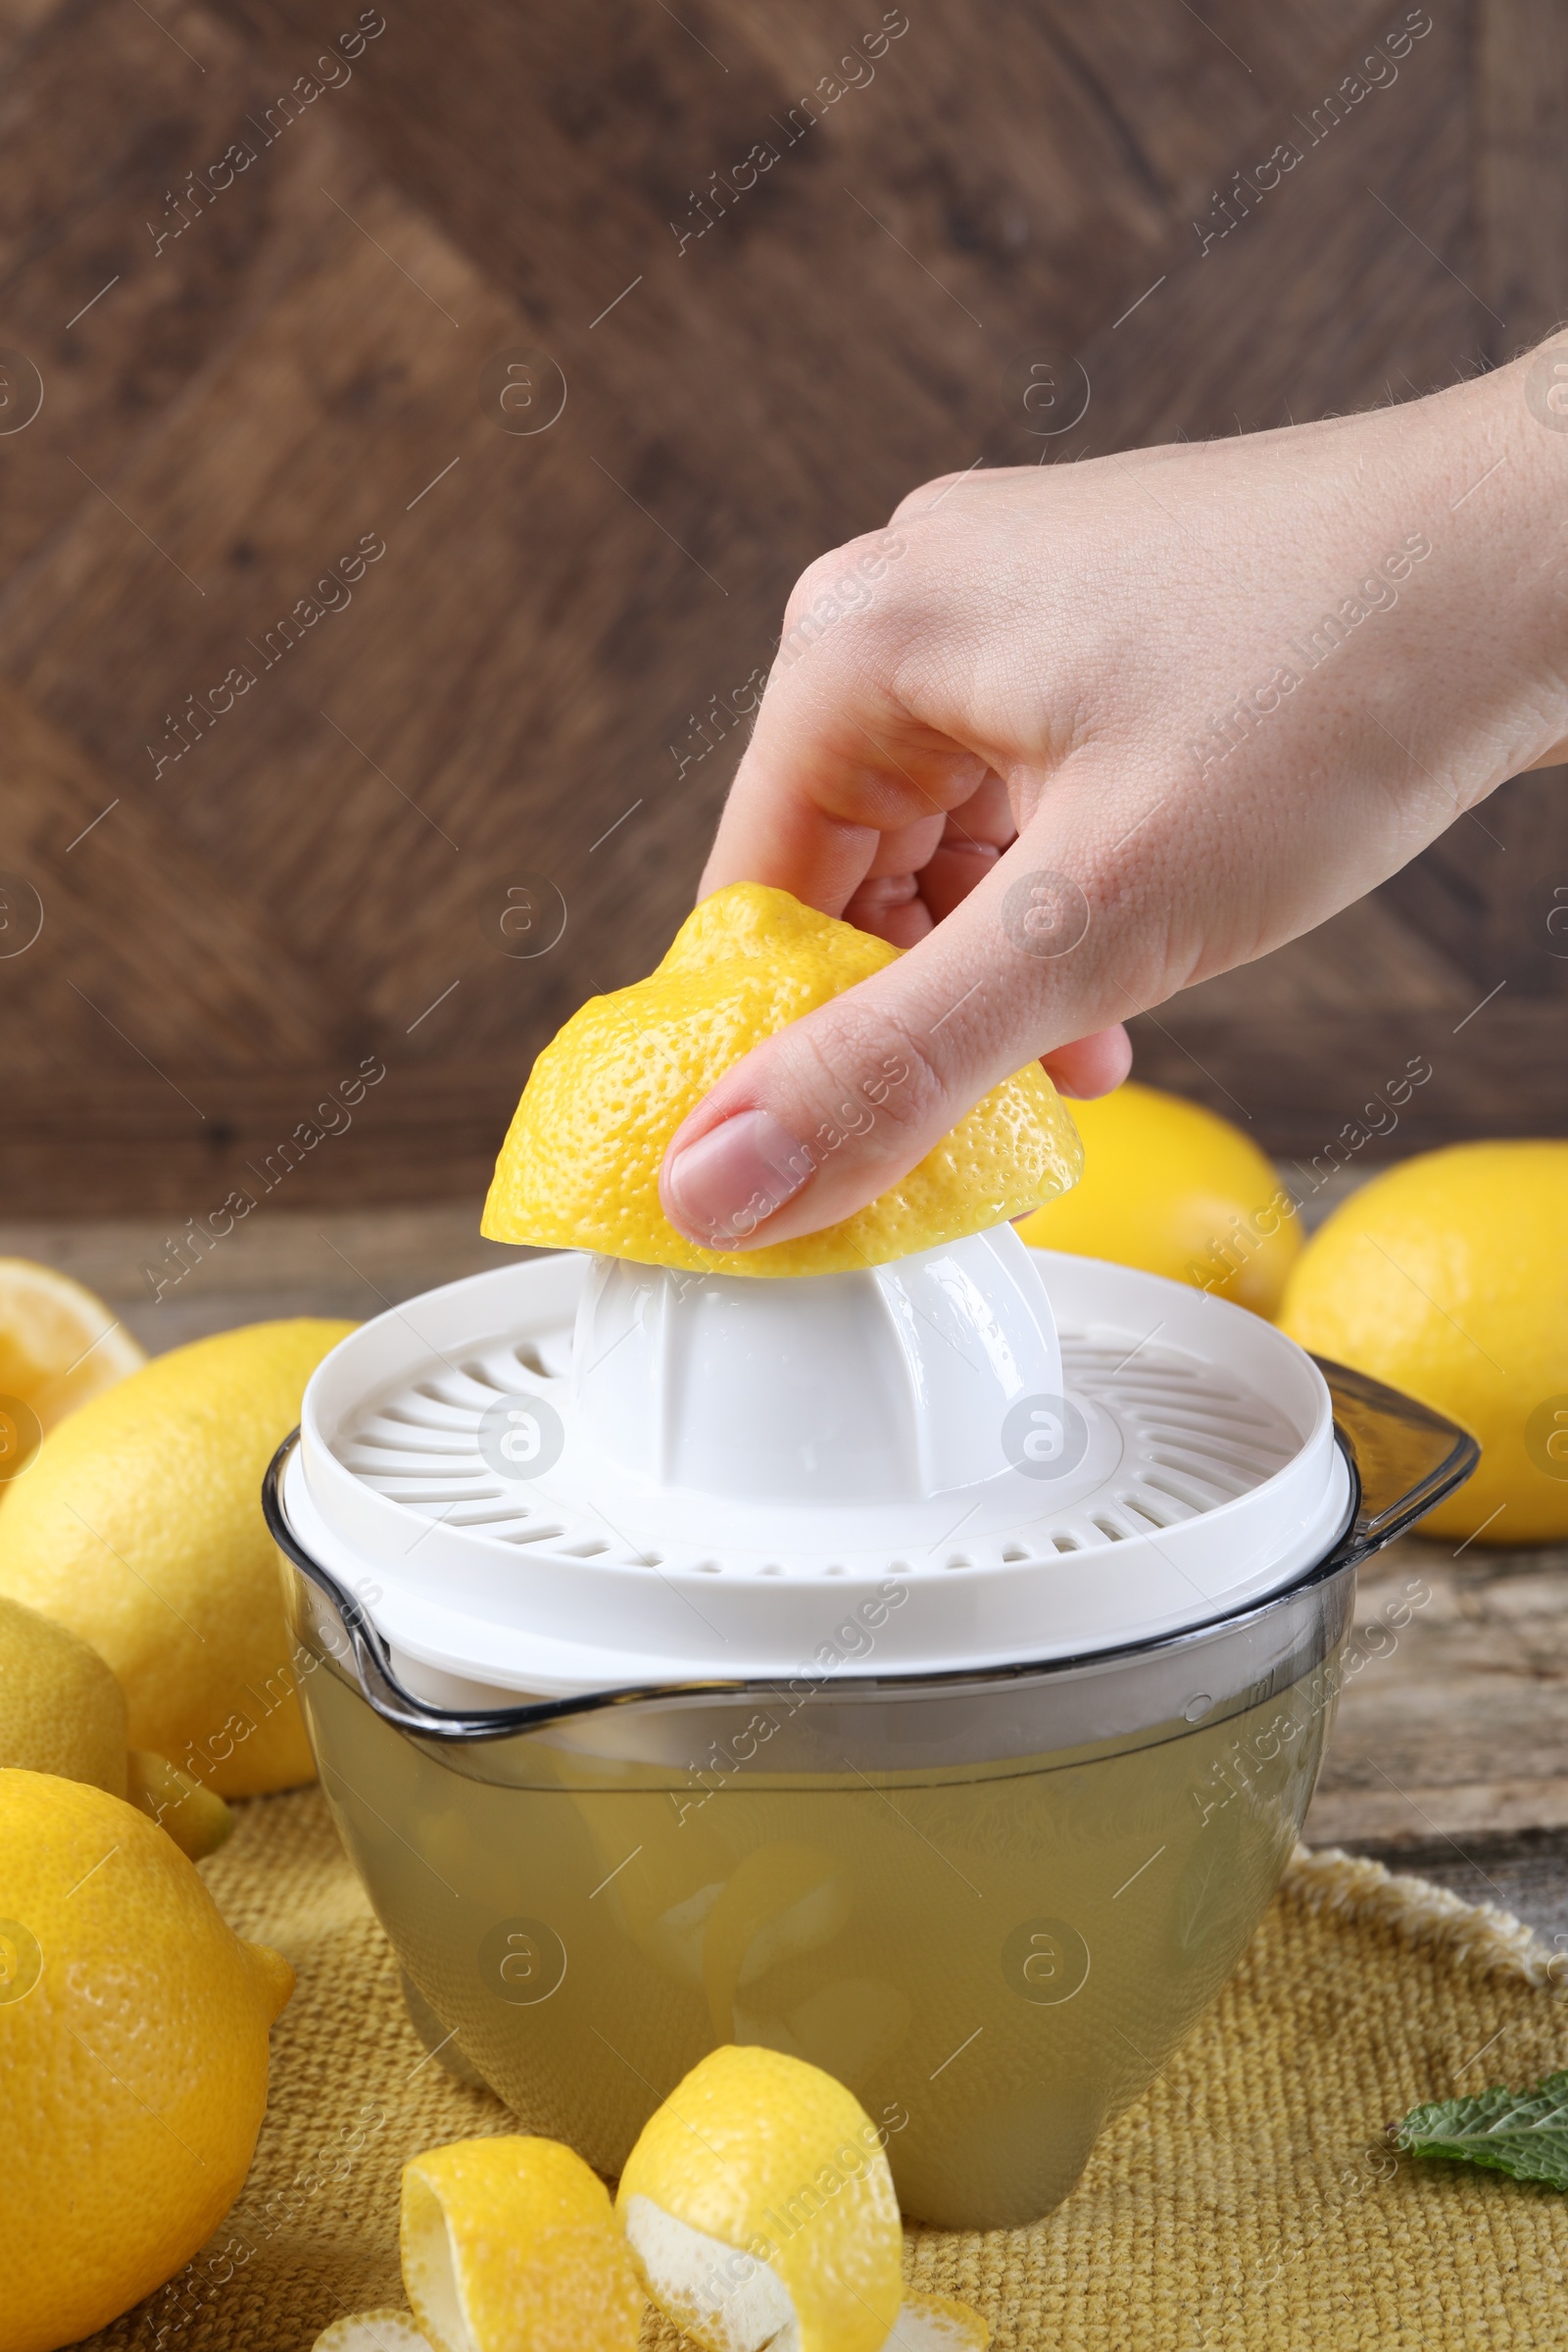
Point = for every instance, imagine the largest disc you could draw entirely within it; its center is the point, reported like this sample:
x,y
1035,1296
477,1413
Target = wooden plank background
x,y
541,681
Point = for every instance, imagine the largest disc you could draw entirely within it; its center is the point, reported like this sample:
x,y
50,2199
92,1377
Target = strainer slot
x,y
400,1415
1191,1503
371,1445
415,1501
1108,1528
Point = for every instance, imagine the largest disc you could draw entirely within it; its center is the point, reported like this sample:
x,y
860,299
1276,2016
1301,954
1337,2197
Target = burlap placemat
x,y
1240,2206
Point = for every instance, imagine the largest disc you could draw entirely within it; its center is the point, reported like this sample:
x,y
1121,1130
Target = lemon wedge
x,y
511,2245
759,2205
579,1168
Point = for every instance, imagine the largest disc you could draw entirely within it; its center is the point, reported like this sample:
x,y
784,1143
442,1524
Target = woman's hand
x,y
1080,736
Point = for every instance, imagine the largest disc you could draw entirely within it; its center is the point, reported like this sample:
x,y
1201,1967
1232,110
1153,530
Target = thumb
x,y
821,1117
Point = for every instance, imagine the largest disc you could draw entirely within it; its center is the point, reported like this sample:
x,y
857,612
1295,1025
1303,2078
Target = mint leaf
x,y
1524,2132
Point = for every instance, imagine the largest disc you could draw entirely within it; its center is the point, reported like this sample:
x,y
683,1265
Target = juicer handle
x,y
1405,1458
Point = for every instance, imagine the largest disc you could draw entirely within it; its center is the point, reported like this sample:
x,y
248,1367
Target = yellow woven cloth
x,y
1234,2209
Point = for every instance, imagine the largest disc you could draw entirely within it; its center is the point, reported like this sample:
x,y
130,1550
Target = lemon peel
x,y
579,1168
932,2322
758,2204
385,2330
139,1526
134,2024
1447,1277
509,2244
1177,1190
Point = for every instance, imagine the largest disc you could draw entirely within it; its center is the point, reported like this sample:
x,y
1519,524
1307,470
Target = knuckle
x,y
868,1064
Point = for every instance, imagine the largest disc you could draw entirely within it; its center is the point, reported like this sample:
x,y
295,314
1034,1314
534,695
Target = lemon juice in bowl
x,y
898,1647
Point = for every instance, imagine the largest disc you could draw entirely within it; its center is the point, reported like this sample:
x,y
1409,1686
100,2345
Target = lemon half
x,y
579,1168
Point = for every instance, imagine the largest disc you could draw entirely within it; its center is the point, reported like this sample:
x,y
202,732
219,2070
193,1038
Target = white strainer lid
x,y
574,1474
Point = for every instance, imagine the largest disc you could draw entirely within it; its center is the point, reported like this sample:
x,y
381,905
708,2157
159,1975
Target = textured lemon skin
x,y
528,2234
579,1168
132,2069
140,1526
776,2159
1448,1277
1172,1187
59,1342
61,1709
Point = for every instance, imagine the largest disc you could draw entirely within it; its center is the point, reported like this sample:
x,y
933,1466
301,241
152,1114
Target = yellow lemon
x,y
579,1168
1448,1277
62,1711
140,1526
758,2201
132,2059
1170,1187
59,1345
511,2245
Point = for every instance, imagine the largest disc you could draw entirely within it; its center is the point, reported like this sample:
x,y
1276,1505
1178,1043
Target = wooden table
x,y
1449,1755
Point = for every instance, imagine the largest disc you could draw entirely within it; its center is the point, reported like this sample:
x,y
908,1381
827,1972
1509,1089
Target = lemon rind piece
x,y
382,2330
723,2299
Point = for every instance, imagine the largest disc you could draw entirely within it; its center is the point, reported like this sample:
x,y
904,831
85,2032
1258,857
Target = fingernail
x,y
719,1189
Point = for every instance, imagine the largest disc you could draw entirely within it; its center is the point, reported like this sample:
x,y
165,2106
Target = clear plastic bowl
x,y
990,1903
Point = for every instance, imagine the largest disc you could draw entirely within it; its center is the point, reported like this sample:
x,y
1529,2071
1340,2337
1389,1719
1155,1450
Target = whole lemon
x,y
140,1526
579,1168
1448,1277
1173,1187
133,2058
62,1711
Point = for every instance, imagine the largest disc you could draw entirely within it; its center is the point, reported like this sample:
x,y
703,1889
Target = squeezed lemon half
x,y
759,2205
579,1168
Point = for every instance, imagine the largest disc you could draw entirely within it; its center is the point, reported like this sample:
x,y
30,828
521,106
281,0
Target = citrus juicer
x,y
921,1670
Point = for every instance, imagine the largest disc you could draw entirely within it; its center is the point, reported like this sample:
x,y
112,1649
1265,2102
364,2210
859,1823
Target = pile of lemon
x,y
1445,1276
145,1675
